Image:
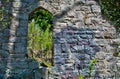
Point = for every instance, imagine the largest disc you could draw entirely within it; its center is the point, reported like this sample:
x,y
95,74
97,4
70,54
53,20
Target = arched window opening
x,y
40,41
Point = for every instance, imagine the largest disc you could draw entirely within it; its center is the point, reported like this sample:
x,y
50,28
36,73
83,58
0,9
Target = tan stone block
x,y
108,35
88,21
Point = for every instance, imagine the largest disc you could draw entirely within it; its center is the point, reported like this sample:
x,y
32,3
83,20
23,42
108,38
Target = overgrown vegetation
x,y
4,15
91,67
40,36
111,9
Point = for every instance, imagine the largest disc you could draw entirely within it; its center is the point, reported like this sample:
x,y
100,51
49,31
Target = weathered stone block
x,y
109,35
17,56
91,2
0,46
3,54
1,76
13,39
19,4
20,16
57,49
7,32
21,32
20,48
1,34
118,65
100,55
41,73
96,8
24,40
116,41
23,24
33,65
8,46
18,65
82,1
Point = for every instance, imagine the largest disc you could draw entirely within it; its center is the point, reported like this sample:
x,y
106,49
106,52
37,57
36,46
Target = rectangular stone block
x,y
21,32
24,40
41,73
13,39
7,32
20,48
19,4
20,16
96,8
3,54
17,65
17,56
57,49
23,24
8,46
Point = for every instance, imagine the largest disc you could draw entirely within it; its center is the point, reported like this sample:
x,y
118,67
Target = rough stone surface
x,y
80,34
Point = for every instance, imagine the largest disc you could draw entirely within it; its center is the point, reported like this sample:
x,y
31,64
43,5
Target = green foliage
x,y
91,67
4,12
46,64
111,9
40,35
81,76
38,38
43,18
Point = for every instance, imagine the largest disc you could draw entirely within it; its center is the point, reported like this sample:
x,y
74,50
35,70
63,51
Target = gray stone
x,y
1,76
33,65
20,48
24,24
1,34
3,54
20,16
27,74
56,49
17,65
96,8
118,65
21,32
8,46
23,40
17,55
88,21
7,32
91,2
116,41
41,73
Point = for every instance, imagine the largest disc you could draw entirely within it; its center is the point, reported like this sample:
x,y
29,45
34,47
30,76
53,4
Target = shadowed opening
x,y
40,41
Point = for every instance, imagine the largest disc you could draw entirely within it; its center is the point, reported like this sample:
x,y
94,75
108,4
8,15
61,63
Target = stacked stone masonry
x,y
80,34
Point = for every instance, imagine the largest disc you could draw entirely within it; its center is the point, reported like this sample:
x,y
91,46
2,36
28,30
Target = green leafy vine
x,y
111,9
4,15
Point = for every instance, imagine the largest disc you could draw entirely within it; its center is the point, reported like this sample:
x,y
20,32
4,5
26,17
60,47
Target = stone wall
x,y
80,35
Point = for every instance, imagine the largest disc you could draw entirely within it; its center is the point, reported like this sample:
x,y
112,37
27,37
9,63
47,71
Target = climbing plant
x,y
43,18
40,35
111,9
4,10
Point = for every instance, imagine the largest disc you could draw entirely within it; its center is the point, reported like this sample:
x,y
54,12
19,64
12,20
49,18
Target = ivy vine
x,y
111,9
4,14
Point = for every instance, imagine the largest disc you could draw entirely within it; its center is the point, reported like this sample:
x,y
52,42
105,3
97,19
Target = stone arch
x,y
42,4
43,50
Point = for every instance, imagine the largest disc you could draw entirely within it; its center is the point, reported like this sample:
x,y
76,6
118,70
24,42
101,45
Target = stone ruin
x,y
80,34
